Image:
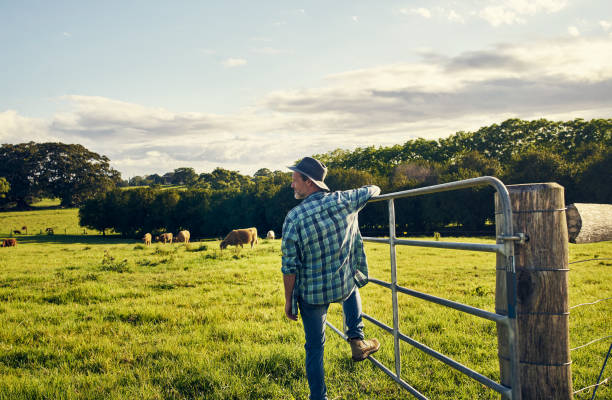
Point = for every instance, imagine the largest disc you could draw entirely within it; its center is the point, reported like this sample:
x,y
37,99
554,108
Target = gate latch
x,y
521,238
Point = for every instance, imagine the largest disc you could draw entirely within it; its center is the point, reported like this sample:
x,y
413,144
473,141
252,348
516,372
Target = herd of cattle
x,y
237,237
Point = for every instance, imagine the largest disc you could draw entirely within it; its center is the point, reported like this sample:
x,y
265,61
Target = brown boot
x,y
361,349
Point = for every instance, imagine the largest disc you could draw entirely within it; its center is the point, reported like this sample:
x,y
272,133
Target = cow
x,y
254,231
270,234
147,239
9,242
240,237
16,232
165,238
183,236
49,231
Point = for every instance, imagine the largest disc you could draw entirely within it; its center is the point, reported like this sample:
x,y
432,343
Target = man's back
x,y
323,246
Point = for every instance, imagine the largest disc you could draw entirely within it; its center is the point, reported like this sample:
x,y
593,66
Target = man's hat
x,y
314,169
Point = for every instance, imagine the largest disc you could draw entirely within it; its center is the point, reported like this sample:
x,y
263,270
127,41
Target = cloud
x,y
573,31
605,25
423,12
234,62
453,16
389,104
355,18
511,12
555,76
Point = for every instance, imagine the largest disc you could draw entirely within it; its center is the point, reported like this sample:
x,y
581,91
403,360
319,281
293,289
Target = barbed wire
x,y
595,385
590,259
591,342
599,381
586,304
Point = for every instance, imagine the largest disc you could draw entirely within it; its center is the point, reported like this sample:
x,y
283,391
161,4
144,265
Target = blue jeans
x,y
313,318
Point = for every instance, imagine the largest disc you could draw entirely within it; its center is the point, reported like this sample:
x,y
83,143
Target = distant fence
x,y
531,290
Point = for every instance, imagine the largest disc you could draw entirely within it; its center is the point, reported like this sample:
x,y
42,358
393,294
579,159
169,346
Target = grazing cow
x,y
147,239
270,234
9,242
183,236
254,231
17,232
164,238
240,237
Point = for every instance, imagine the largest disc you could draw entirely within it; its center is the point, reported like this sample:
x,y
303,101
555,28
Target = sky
x,y
243,85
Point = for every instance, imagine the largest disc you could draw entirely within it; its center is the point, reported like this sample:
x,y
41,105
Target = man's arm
x,y
289,282
290,264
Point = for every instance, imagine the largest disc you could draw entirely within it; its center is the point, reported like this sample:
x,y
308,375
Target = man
x,y
324,262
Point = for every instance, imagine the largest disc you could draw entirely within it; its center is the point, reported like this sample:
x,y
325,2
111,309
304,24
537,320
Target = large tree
x,y
69,172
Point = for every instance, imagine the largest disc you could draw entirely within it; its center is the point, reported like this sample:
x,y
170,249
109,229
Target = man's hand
x,y
288,312
289,283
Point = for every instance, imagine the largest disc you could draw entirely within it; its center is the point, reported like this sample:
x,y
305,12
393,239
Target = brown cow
x,y
147,239
183,236
254,230
9,242
240,237
164,238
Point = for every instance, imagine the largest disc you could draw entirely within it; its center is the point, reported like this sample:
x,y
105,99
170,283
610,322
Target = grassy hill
x,y
87,317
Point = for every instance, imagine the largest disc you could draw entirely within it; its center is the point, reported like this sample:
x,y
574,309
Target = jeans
x,y
313,318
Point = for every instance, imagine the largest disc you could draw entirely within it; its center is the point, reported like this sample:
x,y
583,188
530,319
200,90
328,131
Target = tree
x,y
72,173
221,179
184,176
4,187
595,179
67,171
262,172
18,165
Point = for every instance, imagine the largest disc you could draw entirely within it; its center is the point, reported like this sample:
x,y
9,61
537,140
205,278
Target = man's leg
x,y
313,318
360,348
352,315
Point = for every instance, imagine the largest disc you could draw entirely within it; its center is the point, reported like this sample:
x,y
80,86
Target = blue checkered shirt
x,y
322,245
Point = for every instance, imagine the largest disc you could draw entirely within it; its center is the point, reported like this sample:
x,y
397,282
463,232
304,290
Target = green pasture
x,y
44,214
88,317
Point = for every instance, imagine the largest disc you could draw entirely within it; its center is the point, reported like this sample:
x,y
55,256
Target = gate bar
x,y
492,248
448,303
506,391
386,370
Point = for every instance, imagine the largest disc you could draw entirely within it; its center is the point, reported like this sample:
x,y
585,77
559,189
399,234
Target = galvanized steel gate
x,y
504,246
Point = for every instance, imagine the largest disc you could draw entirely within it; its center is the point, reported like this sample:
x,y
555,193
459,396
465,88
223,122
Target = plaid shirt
x,y
322,245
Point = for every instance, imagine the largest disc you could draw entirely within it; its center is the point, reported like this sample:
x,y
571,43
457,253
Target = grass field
x,y
87,317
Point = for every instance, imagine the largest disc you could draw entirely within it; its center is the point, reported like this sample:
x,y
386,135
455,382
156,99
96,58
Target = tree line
x,y
577,154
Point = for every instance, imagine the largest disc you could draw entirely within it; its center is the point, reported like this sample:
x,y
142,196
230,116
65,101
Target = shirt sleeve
x,y
359,197
289,246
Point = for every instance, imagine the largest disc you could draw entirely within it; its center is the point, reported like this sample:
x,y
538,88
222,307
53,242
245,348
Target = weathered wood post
x,y
538,210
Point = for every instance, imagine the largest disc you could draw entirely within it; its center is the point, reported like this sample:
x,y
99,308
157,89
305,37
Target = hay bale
x,y
588,223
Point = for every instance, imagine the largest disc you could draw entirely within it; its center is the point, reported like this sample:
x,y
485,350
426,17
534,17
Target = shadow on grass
x,y
74,239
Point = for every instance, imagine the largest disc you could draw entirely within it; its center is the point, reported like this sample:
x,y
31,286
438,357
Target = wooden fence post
x,y
538,210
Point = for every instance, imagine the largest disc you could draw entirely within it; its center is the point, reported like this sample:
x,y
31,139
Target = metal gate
x,y
504,246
